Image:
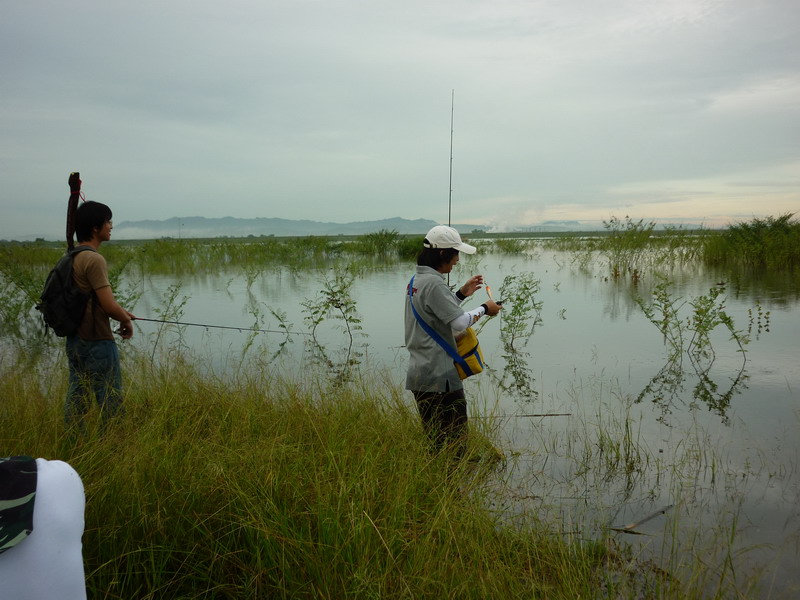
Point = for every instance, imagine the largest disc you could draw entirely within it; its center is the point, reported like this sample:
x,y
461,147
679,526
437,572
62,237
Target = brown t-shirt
x,y
90,271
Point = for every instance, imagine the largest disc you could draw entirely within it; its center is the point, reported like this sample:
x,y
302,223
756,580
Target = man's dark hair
x,y
435,257
88,216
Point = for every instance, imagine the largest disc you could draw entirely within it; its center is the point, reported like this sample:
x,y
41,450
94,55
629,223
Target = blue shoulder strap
x,y
431,332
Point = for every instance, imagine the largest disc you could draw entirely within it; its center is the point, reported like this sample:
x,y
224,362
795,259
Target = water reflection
x,y
340,363
517,379
690,335
666,389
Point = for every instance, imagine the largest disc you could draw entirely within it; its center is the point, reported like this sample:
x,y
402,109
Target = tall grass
x,y
630,248
266,486
771,243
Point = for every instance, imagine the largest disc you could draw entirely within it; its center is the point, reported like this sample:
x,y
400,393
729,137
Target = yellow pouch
x,y
470,350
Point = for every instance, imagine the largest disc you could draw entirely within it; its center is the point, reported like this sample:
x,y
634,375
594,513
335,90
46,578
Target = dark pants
x,y
94,371
444,417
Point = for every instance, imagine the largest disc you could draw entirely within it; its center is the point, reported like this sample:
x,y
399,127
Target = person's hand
x,y
473,285
492,308
126,329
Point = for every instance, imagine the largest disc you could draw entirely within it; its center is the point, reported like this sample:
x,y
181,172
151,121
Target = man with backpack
x,y
94,366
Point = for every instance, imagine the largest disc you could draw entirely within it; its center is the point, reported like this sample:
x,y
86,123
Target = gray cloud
x,y
339,110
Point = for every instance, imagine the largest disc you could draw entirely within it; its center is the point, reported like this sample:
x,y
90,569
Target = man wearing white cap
x,y
432,376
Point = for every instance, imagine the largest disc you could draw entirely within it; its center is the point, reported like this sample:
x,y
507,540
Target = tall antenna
x,y
450,195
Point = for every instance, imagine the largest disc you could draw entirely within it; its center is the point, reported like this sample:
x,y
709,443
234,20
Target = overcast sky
x,y
339,110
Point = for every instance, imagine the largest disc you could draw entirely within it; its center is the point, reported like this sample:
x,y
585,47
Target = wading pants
x,y
94,372
444,417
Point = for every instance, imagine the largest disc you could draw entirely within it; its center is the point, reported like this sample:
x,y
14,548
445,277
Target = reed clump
x,y
512,246
771,243
409,246
630,248
267,486
381,243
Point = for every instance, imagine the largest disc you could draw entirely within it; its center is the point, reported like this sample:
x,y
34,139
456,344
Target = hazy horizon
x,y
188,227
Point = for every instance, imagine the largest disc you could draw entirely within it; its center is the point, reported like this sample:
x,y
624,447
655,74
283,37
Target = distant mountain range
x,y
202,227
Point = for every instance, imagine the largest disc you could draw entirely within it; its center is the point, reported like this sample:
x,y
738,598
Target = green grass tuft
x,y
267,487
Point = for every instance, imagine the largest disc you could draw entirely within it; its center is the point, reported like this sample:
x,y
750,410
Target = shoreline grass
x,y
273,485
265,487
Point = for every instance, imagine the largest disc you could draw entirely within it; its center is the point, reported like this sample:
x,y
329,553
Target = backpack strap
x,y
434,334
92,295
78,249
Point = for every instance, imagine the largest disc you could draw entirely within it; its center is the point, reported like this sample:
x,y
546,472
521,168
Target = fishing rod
x,y
207,326
450,194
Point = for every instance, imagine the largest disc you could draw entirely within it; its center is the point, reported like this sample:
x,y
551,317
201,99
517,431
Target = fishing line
x,y
207,326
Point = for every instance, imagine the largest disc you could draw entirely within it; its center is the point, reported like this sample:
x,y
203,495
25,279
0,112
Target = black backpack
x,y
63,303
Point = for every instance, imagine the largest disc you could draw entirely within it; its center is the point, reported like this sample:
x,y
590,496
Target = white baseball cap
x,y
443,236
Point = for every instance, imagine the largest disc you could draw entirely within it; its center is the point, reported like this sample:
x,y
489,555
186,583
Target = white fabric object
x,y
459,324
48,564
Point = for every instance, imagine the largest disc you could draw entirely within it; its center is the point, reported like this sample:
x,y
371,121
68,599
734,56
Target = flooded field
x,y
655,408
606,416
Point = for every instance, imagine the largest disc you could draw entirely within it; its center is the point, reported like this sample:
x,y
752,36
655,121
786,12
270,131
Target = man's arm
x,y
105,297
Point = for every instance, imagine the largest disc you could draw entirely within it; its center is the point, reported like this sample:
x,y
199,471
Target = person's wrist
x,y
461,295
485,308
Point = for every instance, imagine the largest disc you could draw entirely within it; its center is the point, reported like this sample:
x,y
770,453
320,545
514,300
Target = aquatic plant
x,y
170,308
772,243
516,378
409,246
381,243
334,301
521,310
511,245
631,247
625,245
520,315
691,337
663,311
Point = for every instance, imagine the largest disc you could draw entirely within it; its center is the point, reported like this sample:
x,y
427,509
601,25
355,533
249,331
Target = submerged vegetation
x,y
633,247
689,335
627,245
